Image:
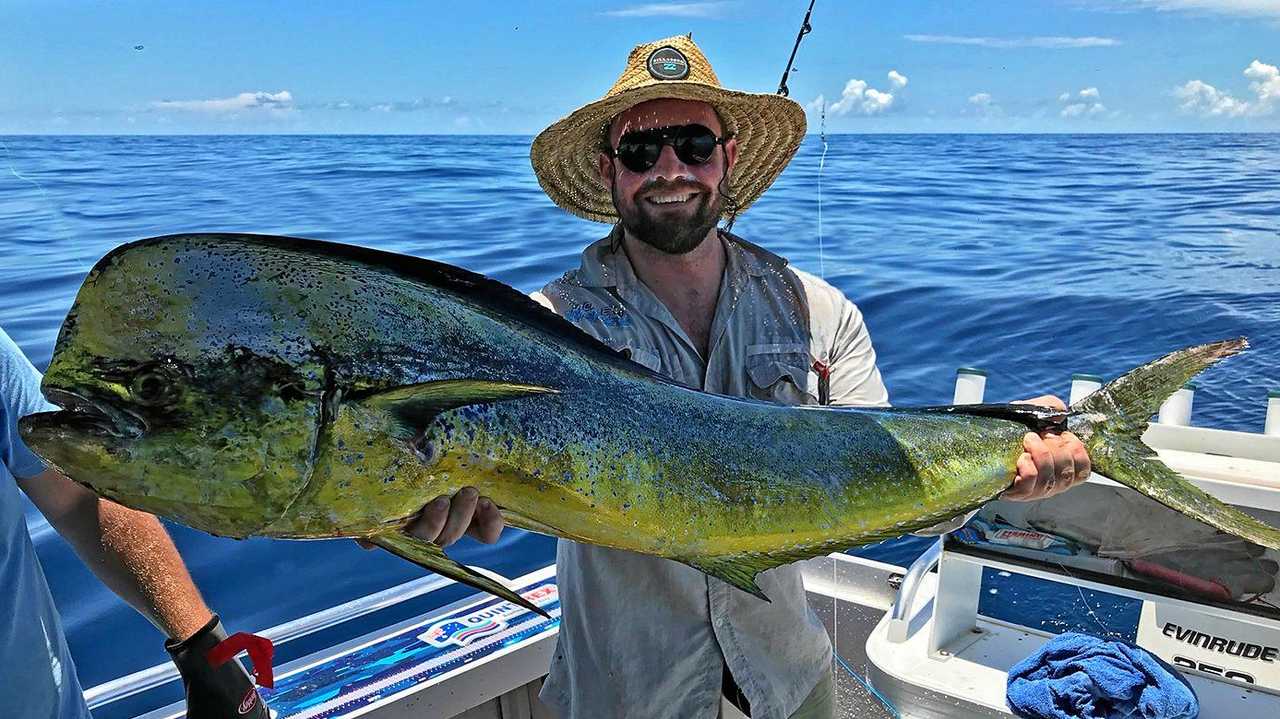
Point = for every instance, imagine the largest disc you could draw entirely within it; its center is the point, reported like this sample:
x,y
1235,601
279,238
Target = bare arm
x,y
129,551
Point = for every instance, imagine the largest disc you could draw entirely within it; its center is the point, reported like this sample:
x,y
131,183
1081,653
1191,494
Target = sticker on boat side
x,y
464,630
374,674
1216,645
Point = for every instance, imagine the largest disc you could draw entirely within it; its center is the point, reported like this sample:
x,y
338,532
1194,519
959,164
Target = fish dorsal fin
x,y
481,291
415,405
1034,416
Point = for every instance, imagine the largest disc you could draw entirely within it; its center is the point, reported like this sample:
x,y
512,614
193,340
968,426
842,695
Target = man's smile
x,y
671,198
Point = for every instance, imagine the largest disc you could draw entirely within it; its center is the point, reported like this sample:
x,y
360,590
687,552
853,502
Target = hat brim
x,y
768,128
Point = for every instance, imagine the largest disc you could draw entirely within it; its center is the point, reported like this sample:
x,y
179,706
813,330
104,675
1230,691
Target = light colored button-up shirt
x,y
647,637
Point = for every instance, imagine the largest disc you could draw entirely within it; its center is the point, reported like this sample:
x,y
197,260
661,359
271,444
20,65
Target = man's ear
x,y
604,168
730,154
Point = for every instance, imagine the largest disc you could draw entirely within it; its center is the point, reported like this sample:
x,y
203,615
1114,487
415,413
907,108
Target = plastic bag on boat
x,y
1152,540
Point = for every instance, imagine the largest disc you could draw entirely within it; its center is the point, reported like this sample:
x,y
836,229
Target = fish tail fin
x,y
1111,421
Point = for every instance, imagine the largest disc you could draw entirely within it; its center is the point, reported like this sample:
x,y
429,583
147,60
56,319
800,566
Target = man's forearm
x,y
129,551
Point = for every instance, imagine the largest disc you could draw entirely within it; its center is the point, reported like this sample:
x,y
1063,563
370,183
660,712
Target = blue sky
x,y
128,66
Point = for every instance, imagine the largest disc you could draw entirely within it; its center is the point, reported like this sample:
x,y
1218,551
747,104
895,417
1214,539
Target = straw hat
x,y
769,128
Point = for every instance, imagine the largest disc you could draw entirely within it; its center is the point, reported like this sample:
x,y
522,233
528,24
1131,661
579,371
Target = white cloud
x,y
277,102
1244,8
422,103
1081,109
985,106
1051,41
1266,81
859,98
1085,103
1201,98
686,9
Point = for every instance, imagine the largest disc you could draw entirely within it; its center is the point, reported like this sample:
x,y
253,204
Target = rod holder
x,y
1083,385
971,384
1177,409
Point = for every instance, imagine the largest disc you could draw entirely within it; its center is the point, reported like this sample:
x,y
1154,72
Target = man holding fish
x,y
664,156
291,388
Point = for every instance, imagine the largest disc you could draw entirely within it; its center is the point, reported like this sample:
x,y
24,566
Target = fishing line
x,y
783,90
1107,631
835,611
835,646
822,161
888,705
13,171
805,29
53,206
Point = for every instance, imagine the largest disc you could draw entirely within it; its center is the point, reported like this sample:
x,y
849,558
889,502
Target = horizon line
x,y
531,135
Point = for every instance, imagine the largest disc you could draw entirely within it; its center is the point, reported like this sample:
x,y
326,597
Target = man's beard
x,y
672,236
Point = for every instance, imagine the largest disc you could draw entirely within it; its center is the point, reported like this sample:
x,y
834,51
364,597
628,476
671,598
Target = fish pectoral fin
x,y
415,405
430,556
732,570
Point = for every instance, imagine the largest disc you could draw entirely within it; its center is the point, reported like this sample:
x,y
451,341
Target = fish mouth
x,y
87,414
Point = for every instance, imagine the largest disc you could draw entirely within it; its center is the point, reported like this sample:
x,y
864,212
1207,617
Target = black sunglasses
x,y
639,150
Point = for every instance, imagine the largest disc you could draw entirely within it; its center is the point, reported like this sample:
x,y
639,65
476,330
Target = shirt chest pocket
x,y
782,373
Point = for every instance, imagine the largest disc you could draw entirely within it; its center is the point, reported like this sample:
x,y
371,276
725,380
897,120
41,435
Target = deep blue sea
x,y
1030,256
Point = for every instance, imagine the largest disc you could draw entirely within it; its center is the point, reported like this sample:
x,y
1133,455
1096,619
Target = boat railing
x,y
148,679
899,615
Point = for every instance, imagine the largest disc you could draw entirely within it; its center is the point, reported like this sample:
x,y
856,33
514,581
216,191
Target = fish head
x,y
165,408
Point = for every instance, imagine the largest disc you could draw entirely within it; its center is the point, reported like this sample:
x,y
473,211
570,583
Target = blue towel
x,y
1079,676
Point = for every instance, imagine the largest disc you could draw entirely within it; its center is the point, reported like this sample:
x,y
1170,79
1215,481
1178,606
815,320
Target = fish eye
x,y
150,388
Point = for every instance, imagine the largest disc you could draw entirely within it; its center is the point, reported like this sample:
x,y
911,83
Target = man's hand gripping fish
x,y
269,386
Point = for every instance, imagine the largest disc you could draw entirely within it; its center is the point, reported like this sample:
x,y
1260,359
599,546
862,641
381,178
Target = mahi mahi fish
x,y
266,386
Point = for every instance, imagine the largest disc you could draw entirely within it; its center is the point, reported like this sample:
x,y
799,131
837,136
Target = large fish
x,y
247,385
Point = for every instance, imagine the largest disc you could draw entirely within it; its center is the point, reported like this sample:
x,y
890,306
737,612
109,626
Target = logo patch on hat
x,y
668,63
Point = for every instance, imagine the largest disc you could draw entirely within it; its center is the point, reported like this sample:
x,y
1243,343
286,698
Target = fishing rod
x,y
805,29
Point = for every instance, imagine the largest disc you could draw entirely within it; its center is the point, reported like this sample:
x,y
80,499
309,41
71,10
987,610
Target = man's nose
x,y
668,165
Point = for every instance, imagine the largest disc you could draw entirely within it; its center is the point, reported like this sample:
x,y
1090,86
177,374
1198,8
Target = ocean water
x,y
1030,256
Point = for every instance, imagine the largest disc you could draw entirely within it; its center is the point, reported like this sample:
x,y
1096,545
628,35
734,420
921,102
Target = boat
x,y
910,641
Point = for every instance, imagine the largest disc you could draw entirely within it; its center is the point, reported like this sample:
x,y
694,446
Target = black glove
x,y
226,692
